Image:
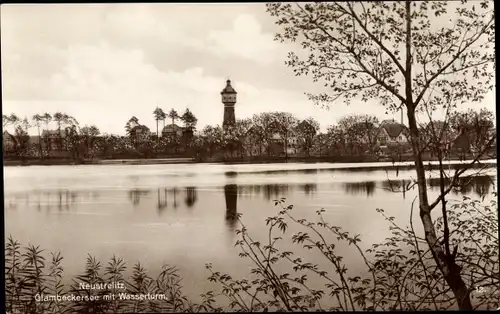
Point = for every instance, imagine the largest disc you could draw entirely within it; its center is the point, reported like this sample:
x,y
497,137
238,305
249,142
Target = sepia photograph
x,y
249,157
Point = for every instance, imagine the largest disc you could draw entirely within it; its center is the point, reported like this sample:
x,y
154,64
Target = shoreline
x,y
180,160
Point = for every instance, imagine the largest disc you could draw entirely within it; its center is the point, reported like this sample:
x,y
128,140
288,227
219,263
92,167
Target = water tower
x,y
229,100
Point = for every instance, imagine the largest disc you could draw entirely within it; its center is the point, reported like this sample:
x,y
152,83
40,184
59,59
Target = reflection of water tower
x,y
191,198
229,100
231,195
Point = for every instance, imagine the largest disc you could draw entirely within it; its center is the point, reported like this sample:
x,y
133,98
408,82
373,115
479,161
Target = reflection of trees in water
x,y
398,186
273,191
231,195
480,185
190,196
60,199
174,193
355,188
136,194
309,188
162,200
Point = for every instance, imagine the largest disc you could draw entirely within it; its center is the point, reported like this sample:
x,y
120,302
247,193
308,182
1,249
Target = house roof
x,y
139,127
228,89
392,128
54,132
305,125
172,128
6,134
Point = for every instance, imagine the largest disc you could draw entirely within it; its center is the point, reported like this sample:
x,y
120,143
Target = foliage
x,y
131,123
10,119
399,274
159,115
21,141
30,278
189,119
359,132
252,137
172,114
396,53
306,132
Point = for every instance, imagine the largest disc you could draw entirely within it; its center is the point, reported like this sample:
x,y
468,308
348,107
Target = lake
x,y
180,213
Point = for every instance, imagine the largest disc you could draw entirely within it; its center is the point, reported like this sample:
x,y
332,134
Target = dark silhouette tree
x,y
173,115
397,53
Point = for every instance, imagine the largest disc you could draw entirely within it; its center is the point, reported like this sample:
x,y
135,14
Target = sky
x,y
104,63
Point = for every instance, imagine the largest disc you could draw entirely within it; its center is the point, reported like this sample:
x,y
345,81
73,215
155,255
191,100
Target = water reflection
x,y
274,191
231,196
47,200
230,174
387,168
479,185
162,200
367,187
136,194
401,186
174,192
190,196
309,188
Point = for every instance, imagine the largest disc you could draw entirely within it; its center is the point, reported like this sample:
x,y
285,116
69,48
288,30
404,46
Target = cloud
x,y
104,85
245,40
134,57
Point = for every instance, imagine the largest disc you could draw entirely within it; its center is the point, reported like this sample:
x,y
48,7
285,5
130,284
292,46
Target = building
x,y
229,100
140,133
172,130
9,142
53,139
392,133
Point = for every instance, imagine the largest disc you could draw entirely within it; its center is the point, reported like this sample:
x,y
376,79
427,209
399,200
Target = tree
x,y
320,143
360,132
395,52
22,139
73,142
47,118
90,134
37,119
131,123
241,129
158,115
189,119
13,119
306,131
172,114
212,139
477,125
262,130
285,123
62,119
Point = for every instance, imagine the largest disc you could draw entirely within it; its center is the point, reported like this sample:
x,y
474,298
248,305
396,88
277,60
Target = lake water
x,y
179,214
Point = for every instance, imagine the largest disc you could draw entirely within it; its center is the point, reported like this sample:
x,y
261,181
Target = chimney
x,y
402,122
